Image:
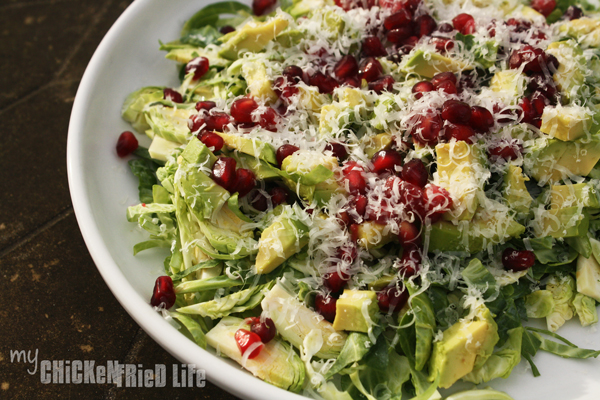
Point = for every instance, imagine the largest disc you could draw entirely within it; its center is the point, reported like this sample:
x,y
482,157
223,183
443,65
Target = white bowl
x,y
102,187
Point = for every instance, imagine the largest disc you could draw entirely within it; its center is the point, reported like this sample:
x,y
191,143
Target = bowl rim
x,y
222,373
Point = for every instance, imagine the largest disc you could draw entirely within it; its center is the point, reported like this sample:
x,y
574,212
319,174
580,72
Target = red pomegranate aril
x,y
324,83
464,23
198,66
265,329
245,340
544,7
425,25
532,57
517,260
126,144
172,95
447,87
442,45
284,89
326,306
278,196
262,7
539,102
481,120
426,129
245,180
572,13
241,109
268,120
415,172
211,140
399,35
164,293
398,19
359,204
392,299
357,184
409,233
285,151
410,261
227,29
459,132
352,81
528,114
223,172
386,161
457,112
345,68
505,150
412,197
205,105
259,201
338,149
372,47
445,28
442,77
437,201
422,87
370,69
383,84
217,121
293,73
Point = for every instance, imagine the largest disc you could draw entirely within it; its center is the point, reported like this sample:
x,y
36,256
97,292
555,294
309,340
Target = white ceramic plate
x,y
102,187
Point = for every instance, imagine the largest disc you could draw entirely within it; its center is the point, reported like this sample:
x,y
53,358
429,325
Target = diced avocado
x,y
277,363
539,304
372,235
566,123
134,105
303,7
508,84
454,356
161,149
515,191
310,98
532,15
373,144
281,240
569,75
587,30
290,37
427,64
351,96
261,169
579,158
186,54
460,172
578,194
588,277
253,37
250,146
198,154
356,310
562,223
170,123
294,322
311,175
259,84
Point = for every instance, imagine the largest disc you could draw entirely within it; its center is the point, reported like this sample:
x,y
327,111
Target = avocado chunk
x,y
508,84
160,149
261,169
250,146
578,194
561,223
259,84
461,172
281,240
566,123
586,30
454,356
569,76
588,277
372,235
427,64
356,310
253,37
311,176
186,54
515,191
277,363
373,144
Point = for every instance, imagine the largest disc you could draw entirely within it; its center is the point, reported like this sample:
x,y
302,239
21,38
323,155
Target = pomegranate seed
x,y
223,172
324,83
265,329
262,7
543,84
533,58
544,7
205,105
539,102
338,149
399,35
516,260
437,201
241,109
409,233
325,305
442,77
278,196
481,120
460,133
353,232
164,293
445,28
446,87
126,144
352,81
227,29
370,69
392,299
518,25
422,87
527,112
217,121
344,218
284,151
284,89
259,201
464,23
198,66
293,73
402,17
245,339
412,198
345,68
410,261
415,172
172,95
268,120
426,129
211,140
442,44
359,205
386,161
356,182
507,150
372,47
244,182
425,25
383,84
455,111
572,13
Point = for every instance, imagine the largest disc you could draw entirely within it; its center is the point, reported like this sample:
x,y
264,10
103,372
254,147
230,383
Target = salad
x,y
376,199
